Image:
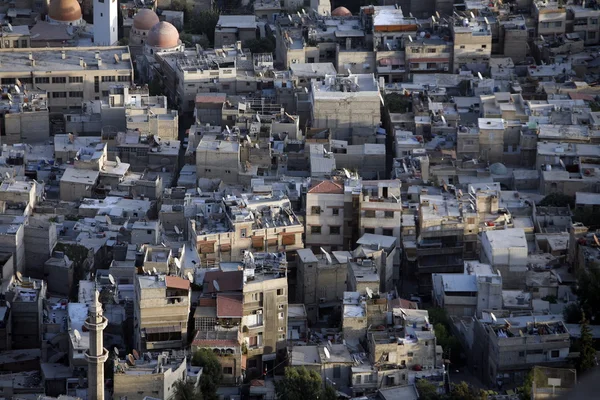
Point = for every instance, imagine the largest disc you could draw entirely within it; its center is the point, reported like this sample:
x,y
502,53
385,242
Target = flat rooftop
x,y
50,59
80,176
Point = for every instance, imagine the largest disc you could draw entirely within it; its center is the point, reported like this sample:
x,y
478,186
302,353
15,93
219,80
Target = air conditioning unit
x,y
446,69
259,312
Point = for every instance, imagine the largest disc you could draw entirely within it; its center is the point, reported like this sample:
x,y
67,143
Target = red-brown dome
x,y
341,12
64,10
163,35
145,19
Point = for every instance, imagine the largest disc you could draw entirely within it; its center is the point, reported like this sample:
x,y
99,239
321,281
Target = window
x,y
75,94
521,354
388,214
42,80
280,329
369,213
554,354
59,79
558,24
280,292
24,43
281,315
358,379
594,21
592,35
431,50
149,232
337,372
108,79
334,230
462,47
315,229
282,336
96,84
243,232
227,371
105,93
483,46
59,95
335,211
388,232
415,50
123,78
315,210
76,79
280,307
409,354
370,230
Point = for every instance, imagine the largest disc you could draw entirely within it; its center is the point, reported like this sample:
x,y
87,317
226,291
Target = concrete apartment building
x,y
506,251
12,229
225,229
24,117
550,16
584,22
233,28
21,196
325,206
469,294
161,312
472,43
154,375
345,104
226,344
26,298
70,76
320,282
505,349
428,55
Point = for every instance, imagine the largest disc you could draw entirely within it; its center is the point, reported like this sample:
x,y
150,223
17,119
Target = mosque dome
x,y
498,169
64,10
341,12
163,35
145,19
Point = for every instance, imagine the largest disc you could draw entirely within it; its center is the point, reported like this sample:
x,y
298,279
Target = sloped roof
x,y
176,282
228,281
328,187
229,305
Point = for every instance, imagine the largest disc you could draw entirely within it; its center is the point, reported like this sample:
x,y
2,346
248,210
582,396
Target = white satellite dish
x,y
177,230
17,89
493,317
472,15
111,279
77,335
346,172
154,270
369,292
8,305
118,160
443,119
149,273
190,277
480,76
228,130
251,256
326,351
216,285
116,352
410,38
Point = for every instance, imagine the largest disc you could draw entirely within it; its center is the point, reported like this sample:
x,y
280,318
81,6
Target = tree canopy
x,y
302,384
212,374
203,22
558,200
185,390
587,353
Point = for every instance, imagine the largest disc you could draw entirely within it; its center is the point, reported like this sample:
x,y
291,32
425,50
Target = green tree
x,y
572,313
587,353
558,200
212,374
329,393
204,22
427,390
588,293
262,45
525,390
185,390
301,384
396,103
462,391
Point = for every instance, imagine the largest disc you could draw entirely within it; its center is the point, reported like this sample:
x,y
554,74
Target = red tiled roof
x,y
176,282
327,187
211,98
228,281
402,303
257,382
581,96
214,339
229,305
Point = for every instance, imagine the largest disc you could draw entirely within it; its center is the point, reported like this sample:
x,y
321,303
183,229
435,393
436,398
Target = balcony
x,y
164,344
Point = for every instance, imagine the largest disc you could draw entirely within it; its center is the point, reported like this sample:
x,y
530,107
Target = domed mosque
x,y
143,21
163,37
65,12
341,12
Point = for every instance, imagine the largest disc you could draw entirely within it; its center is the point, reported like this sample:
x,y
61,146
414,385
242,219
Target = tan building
x,y
428,55
15,37
233,28
551,17
161,312
24,117
325,216
69,75
472,43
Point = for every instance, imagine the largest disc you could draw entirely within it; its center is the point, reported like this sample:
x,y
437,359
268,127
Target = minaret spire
x,y
96,354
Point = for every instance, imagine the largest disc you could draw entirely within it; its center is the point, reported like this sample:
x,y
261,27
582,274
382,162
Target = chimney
x,y
81,61
63,54
97,55
99,62
30,55
32,62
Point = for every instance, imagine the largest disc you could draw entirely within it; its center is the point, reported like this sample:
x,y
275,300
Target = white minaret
x,y
105,22
96,354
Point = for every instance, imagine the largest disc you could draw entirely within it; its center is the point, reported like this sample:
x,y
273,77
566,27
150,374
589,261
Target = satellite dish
x,y
177,230
116,351
17,89
154,270
480,76
347,173
216,285
111,279
369,292
118,160
251,256
77,335
149,273
136,355
130,359
410,38
326,351
493,317
19,276
190,277
472,15
8,305
7,175
329,261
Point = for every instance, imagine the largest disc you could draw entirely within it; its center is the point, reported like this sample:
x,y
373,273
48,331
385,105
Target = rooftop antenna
x,y
77,336
116,351
326,351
